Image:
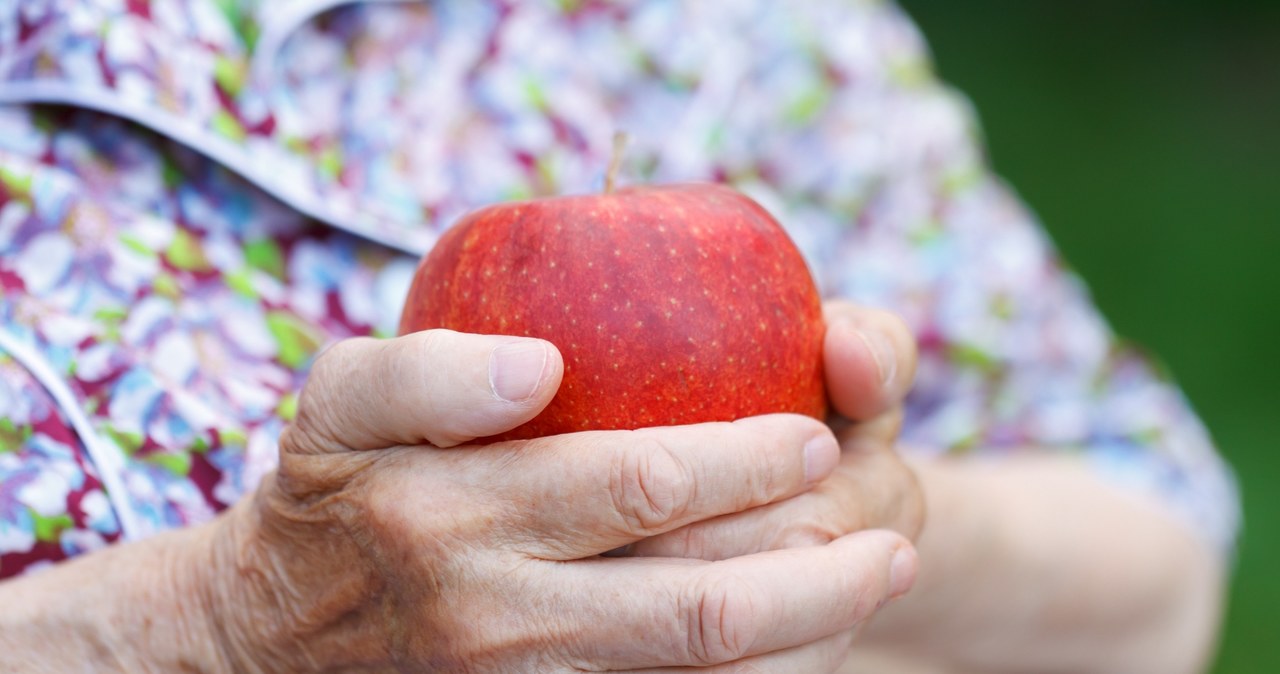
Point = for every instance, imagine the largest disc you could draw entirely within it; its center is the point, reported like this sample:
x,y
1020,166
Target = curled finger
x,y
871,489
622,486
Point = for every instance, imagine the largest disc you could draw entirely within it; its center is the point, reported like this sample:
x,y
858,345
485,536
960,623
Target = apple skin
x,y
671,305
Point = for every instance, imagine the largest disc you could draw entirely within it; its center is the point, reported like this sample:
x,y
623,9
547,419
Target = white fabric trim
x,y
106,456
194,137
280,20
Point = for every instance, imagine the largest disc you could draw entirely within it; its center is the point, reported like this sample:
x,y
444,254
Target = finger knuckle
x,y
318,409
332,358
293,441
652,485
721,620
326,368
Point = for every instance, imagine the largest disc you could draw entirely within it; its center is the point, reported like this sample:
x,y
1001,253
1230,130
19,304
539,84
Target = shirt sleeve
x,y
1014,354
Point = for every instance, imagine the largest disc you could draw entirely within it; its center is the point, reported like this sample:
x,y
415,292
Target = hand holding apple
x,y
870,359
671,305
372,548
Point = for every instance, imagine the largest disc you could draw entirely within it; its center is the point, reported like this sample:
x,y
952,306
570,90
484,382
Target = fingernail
x,y
881,348
821,454
515,369
902,571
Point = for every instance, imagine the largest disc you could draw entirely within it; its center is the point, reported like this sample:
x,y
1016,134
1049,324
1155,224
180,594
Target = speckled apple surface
x,y
671,305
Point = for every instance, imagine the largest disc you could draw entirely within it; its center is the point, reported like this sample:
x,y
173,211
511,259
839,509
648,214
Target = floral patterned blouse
x,y
196,196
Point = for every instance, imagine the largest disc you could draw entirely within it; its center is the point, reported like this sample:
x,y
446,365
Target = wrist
x,y
242,594
168,583
130,607
226,603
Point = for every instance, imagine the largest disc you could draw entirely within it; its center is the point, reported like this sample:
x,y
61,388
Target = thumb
x,y
436,386
870,360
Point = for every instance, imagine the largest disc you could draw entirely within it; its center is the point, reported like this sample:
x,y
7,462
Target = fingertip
x,y
889,553
903,569
882,352
819,448
852,371
870,359
438,387
522,376
525,370
821,456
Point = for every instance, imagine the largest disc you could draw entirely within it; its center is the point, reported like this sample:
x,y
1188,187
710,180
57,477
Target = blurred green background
x,y
1147,137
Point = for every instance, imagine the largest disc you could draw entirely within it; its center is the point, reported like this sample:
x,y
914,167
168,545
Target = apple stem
x,y
615,161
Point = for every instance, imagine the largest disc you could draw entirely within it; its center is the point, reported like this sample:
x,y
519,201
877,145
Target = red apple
x,y
671,305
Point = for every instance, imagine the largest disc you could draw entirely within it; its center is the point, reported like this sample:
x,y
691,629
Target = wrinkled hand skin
x,y
304,560
385,543
871,488
361,572
870,363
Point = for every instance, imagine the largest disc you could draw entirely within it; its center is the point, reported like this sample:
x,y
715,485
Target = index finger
x,y
583,494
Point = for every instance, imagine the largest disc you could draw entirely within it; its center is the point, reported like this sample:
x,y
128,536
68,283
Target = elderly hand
x,y
870,362
374,547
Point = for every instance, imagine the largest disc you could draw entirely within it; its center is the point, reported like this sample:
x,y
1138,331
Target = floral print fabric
x,y
181,314
225,187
